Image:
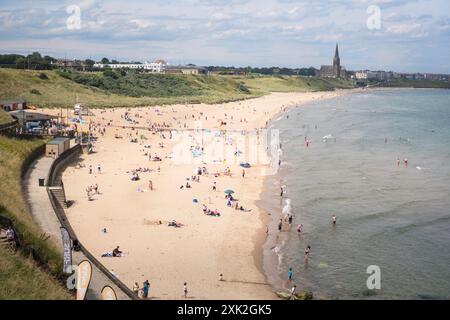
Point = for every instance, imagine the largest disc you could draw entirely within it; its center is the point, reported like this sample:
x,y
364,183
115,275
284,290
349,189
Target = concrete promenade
x,y
44,215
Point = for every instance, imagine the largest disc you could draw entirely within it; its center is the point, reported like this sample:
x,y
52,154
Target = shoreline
x,y
266,260
237,237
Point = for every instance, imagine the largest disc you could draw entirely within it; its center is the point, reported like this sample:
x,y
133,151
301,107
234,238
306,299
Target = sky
x,y
397,35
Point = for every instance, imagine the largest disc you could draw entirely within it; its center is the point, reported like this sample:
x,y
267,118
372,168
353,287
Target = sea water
x,y
388,215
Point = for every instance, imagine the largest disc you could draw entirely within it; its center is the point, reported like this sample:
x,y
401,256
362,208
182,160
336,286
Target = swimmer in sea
x,y
299,228
307,250
334,219
406,163
398,162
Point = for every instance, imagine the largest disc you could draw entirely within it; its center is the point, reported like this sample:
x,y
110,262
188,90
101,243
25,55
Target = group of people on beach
x,y
92,190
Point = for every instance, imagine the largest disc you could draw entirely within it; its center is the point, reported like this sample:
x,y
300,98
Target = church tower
x,y
336,63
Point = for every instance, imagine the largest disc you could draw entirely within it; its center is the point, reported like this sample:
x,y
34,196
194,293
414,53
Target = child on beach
x,y
185,290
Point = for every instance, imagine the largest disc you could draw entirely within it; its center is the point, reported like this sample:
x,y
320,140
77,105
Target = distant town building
x,y
335,70
155,67
188,69
71,64
374,75
13,105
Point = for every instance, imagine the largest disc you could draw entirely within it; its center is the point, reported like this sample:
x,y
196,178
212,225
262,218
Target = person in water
x,y
299,228
307,250
333,218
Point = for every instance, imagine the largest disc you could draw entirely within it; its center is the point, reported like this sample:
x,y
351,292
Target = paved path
x,y
42,211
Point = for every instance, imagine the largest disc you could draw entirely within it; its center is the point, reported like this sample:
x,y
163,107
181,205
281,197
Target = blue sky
x,y
414,34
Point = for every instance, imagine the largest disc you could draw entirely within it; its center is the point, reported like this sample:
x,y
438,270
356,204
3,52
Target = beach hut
x,y
57,146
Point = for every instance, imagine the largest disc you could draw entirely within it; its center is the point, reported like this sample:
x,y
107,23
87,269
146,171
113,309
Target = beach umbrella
x,y
229,191
245,165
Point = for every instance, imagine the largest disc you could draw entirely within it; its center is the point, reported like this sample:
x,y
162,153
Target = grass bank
x,y
56,89
120,89
404,83
266,84
22,279
5,117
18,269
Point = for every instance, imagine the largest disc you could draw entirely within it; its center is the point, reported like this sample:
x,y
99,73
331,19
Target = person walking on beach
x,y
214,186
282,192
290,274
243,173
90,169
150,185
293,292
280,225
146,288
99,168
185,290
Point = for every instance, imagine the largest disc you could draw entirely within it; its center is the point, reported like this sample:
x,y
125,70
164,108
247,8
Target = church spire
x,y
336,53
336,63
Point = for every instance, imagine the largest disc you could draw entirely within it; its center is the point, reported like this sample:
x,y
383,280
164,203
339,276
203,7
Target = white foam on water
x,y
287,209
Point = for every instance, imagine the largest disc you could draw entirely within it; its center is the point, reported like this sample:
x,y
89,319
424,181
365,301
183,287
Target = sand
x,y
205,246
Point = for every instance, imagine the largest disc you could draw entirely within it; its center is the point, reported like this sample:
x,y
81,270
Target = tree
x,y
105,61
21,63
89,62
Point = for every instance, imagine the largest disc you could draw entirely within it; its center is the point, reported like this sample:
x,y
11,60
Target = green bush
x,y
43,76
35,91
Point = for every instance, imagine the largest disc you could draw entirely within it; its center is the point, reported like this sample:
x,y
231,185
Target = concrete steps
x,y
60,196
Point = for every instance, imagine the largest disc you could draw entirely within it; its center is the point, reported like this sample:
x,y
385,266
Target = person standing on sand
x,y
280,225
185,290
290,274
90,169
243,173
281,192
136,288
99,168
146,288
150,185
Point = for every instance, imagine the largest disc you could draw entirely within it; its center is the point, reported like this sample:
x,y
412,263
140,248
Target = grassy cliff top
x,y
120,89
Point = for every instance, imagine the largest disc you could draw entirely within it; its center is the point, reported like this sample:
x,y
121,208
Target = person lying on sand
x,y
175,224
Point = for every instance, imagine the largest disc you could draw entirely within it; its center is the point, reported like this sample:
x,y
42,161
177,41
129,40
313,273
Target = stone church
x,y
334,71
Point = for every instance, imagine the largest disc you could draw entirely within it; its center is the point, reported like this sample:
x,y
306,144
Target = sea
x,y
392,236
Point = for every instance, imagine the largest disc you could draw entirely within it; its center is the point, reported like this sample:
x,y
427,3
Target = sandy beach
x,y
204,246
